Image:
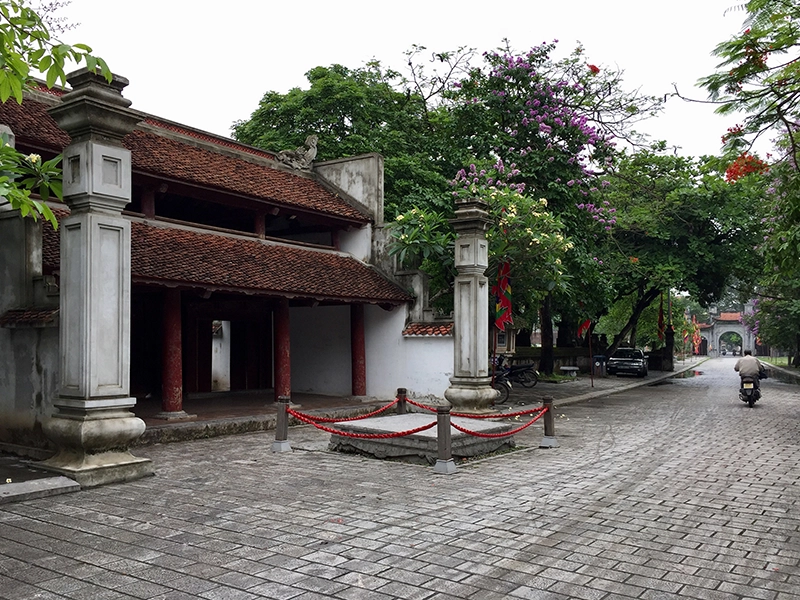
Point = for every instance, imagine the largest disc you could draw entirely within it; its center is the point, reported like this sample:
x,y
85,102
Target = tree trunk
x,y
643,302
567,334
796,360
667,363
546,360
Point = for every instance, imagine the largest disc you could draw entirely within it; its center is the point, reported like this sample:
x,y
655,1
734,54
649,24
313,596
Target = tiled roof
x,y
208,260
28,317
199,135
428,329
729,316
30,123
151,153
191,163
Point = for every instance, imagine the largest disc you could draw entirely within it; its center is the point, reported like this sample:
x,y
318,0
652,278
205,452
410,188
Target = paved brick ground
x,y
672,491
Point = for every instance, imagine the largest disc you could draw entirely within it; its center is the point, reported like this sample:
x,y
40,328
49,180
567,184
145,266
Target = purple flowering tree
x,y
559,122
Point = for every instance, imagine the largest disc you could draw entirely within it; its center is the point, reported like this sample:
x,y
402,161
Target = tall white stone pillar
x,y
93,426
470,387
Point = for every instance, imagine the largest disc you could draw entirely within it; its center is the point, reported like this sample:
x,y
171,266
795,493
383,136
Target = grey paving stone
x,y
653,491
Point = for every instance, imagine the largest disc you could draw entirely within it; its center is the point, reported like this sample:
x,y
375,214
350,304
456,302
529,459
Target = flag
x,y
502,297
584,327
697,339
661,319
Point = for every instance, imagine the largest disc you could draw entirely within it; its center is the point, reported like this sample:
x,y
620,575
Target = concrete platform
x,y
20,481
422,447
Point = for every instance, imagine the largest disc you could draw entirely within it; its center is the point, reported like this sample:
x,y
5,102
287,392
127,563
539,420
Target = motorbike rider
x,y
749,366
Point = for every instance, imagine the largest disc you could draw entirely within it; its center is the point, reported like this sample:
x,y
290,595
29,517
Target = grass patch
x,y
778,361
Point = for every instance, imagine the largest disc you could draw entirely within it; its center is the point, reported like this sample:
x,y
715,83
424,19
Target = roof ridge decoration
x,y
301,157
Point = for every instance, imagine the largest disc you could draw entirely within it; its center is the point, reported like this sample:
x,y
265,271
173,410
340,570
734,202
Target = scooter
x,y
526,374
502,384
749,391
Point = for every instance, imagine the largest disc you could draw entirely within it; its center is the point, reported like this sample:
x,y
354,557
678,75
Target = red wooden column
x,y
172,353
283,365
358,350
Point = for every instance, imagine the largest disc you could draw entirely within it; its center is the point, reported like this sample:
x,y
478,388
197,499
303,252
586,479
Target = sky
x,y
207,64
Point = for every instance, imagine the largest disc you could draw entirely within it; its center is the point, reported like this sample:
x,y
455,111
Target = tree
x,y
759,76
525,234
355,111
28,49
679,226
557,121
552,120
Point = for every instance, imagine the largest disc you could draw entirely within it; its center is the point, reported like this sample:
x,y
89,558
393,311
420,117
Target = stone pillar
x,y
93,426
283,363
470,387
172,359
358,351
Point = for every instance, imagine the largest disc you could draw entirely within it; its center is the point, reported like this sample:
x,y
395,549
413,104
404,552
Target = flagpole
x,y
591,357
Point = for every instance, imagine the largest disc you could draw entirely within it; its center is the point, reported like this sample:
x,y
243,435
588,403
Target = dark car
x,y
627,360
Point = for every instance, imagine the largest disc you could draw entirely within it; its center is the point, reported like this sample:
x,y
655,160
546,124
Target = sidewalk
x,y
20,480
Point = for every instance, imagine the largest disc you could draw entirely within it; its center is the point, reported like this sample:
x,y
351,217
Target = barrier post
x,y
549,439
444,462
281,443
402,408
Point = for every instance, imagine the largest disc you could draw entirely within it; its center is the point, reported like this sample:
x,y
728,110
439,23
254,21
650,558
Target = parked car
x,y
627,360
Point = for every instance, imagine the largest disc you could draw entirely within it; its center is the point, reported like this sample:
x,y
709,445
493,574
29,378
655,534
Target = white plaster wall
x,y
357,242
421,365
221,360
320,350
28,357
361,177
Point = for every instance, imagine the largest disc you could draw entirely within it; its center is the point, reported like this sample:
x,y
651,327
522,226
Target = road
x,y
676,490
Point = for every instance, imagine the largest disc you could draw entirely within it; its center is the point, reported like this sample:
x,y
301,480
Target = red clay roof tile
x,y
170,158
428,329
729,316
28,317
208,260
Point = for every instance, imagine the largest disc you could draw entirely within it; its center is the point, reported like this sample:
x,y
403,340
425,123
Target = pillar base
x,y
471,393
93,437
92,470
444,467
548,442
281,446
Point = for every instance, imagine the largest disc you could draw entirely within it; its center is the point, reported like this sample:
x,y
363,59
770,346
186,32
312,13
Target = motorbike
x,y
502,384
525,375
749,391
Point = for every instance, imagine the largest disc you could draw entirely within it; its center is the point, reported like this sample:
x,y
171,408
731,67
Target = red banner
x,y
502,297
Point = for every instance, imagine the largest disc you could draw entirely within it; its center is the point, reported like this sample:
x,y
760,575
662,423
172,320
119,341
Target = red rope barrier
x,y
418,405
366,416
474,416
363,436
499,415
499,435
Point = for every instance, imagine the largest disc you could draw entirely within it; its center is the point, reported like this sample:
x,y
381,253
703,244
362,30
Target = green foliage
x,y
759,75
22,175
28,50
356,111
679,226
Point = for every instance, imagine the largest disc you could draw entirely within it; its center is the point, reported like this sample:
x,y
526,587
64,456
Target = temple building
x,y
246,270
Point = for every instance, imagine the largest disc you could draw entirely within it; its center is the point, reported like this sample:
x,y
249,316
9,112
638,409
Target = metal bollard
x,y
281,443
549,440
402,407
444,463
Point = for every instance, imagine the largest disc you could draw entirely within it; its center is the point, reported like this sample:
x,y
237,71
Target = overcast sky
x,y
207,64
